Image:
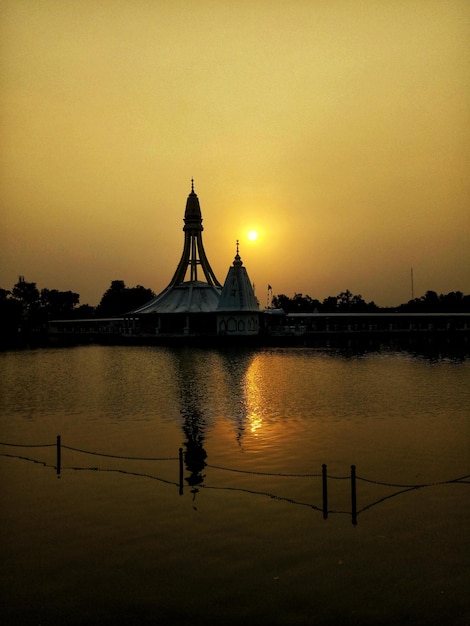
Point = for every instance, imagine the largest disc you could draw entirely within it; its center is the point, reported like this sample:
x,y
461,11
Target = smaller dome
x,y
237,292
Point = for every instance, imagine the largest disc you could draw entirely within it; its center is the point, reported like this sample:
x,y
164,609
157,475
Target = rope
x,y
239,471
25,458
31,445
338,477
119,471
116,456
261,493
380,500
442,482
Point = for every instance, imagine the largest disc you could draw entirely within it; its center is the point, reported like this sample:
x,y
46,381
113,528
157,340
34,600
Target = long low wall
x,y
305,323
295,324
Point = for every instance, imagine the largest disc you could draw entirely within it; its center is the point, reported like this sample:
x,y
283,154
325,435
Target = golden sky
x,y
339,130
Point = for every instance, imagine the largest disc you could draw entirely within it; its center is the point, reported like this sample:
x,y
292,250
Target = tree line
x,y
347,302
26,309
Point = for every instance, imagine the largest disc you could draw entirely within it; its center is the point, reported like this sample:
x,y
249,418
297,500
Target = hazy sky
x,y
339,129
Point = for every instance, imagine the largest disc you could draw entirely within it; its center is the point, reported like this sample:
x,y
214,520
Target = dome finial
x,y
192,185
237,262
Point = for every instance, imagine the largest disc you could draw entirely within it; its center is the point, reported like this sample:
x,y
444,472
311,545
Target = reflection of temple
x,y
192,382
194,302
192,387
210,383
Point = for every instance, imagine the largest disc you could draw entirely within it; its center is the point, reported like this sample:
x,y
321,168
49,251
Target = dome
x,y
188,297
237,292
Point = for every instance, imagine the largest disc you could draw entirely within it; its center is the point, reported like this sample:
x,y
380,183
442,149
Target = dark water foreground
x,y
120,537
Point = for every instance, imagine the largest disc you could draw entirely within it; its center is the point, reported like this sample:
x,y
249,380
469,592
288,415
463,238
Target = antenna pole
x,y
412,286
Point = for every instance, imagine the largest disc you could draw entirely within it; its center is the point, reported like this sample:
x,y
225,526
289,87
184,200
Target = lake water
x,y
245,535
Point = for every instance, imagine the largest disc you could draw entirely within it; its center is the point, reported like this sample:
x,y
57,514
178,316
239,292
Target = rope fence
x,y
352,477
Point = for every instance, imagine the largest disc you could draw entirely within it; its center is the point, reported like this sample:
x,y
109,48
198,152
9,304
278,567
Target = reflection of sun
x,y
256,422
253,399
252,235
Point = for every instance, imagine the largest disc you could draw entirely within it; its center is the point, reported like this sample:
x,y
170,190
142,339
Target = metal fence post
x,y
58,455
181,470
325,492
353,495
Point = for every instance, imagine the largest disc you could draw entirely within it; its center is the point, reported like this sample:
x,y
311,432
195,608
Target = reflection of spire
x,y
194,423
195,455
194,255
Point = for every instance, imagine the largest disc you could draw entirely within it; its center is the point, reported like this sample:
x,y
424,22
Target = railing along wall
x,y
352,476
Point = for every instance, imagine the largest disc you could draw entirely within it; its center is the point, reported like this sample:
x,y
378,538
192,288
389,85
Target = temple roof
x,y
189,297
237,292
194,295
193,259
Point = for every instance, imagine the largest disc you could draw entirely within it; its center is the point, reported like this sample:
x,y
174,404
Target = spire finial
x,y
237,262
192,185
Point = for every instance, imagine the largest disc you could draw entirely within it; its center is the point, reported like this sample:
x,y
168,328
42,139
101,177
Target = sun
x,y
252,235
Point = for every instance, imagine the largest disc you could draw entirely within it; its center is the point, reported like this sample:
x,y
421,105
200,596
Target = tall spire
x,y
193,255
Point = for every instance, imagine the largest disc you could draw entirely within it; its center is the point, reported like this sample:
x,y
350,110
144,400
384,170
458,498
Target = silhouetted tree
x,y
344,300
58,304
430,302
84,311
112,302
27,294
137,296
25,311
453,302
281,302
119,299
330,304
11,317
304,304
4,293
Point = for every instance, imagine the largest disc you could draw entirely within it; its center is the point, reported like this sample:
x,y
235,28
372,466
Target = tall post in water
x,y
353,495
58,455
325,492
181,470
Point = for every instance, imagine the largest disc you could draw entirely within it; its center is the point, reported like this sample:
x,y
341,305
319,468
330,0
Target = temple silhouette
x,y
196,305
195,302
